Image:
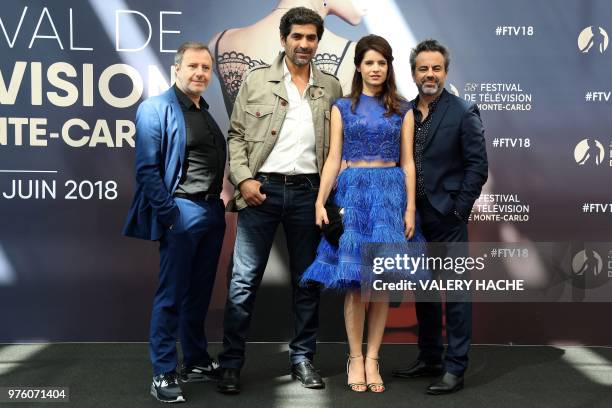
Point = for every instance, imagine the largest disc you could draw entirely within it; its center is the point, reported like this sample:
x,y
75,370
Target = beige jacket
x,y
258,116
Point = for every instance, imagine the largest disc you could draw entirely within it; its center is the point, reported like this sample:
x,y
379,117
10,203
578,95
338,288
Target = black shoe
x,y
447,384
308,376
201,372
418,369
165,388
229,383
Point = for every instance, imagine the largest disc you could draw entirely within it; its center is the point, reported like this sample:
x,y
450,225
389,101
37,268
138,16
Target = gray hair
x,y
429,45
190,45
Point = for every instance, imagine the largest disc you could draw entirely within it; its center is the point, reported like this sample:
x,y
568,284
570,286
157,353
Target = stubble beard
x,y
300,62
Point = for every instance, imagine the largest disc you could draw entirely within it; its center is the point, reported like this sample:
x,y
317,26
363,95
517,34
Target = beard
x,y
429,90
300,60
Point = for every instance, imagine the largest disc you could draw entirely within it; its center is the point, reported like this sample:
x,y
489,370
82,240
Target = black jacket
x,y
455,163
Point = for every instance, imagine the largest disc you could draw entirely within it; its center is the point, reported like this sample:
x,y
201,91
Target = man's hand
x,y
250,192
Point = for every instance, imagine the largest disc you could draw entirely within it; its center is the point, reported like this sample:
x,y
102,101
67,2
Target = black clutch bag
x,y
333,231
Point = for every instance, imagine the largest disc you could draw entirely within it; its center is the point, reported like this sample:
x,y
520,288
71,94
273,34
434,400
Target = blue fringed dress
x,y
374,199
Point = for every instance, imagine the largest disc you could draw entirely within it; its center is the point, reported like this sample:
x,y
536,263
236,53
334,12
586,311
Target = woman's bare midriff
x,y
371,163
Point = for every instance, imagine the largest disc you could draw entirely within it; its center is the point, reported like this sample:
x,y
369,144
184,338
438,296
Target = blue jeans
x,y
189,254
291,205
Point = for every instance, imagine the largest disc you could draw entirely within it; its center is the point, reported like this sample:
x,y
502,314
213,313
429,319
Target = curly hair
x,y
300,16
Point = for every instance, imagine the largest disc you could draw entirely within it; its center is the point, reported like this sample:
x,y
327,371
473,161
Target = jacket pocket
x,y
452,185
453,188
258,119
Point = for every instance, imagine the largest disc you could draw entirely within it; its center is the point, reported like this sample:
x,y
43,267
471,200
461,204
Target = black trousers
x,y
444,228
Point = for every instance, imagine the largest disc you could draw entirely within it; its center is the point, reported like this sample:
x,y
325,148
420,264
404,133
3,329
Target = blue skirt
x,y
374,202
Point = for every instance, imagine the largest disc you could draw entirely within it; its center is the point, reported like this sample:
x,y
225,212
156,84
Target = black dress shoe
x,y
230,381
447,384
418,369
308,376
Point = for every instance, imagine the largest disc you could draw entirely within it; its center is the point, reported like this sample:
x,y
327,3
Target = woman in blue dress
x,y
373,130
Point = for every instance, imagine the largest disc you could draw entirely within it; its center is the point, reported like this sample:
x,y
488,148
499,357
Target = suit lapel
x,y
437,118
177,113
179,122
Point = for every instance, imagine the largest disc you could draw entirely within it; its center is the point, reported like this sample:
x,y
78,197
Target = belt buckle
x,y
290,180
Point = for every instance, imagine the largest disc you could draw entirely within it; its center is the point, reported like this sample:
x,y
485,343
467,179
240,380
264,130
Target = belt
x,y
198,196
290,179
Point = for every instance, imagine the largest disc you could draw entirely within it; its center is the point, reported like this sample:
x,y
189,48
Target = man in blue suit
x,y
451,164
180,162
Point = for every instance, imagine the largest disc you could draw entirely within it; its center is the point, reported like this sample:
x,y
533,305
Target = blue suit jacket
x,y
160,151
455,163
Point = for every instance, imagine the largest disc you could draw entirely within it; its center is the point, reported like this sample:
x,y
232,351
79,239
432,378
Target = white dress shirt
x,y
294,151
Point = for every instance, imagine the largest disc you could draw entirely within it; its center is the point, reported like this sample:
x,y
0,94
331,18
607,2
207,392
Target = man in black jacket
x,y
451,162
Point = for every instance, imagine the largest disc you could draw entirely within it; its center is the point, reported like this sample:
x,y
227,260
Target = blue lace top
x,y
368,134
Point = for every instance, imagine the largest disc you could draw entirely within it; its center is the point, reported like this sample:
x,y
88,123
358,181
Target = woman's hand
x,y
409,223
321,215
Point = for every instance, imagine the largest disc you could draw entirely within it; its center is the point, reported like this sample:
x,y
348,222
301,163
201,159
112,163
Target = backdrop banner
x,y
73,72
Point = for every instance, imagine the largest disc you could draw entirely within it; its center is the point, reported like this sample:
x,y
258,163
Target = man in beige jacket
x,y
278,141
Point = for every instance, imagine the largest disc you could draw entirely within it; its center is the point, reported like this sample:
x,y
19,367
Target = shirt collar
x,y
418,115
287,74
186,101
432,105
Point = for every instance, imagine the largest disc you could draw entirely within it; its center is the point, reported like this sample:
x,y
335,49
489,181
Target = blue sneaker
x,y
200,372
165,388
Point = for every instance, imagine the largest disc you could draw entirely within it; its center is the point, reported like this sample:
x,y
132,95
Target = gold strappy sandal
x,y
358,386
376,388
